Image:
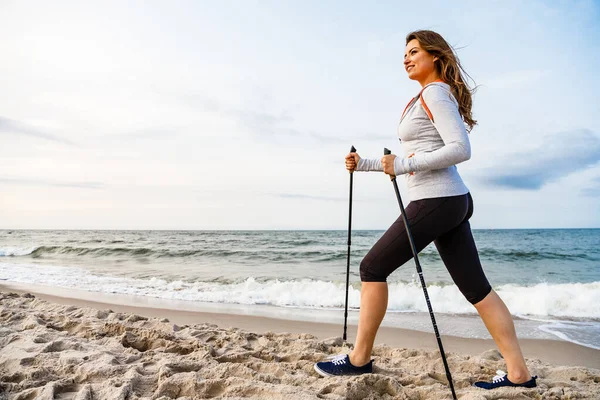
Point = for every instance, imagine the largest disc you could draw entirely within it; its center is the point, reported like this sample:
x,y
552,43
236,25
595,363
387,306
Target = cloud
x,y
260,123
12,126
42,182
594,190
265,124
309,197
560,154
155,133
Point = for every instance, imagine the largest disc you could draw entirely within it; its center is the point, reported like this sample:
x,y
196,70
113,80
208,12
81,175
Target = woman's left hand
x,y
388,164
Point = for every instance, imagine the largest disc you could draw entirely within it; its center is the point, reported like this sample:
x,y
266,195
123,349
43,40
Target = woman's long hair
x,y
449,69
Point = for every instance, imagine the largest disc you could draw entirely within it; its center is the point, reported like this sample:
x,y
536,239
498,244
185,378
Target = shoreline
x,y
557,352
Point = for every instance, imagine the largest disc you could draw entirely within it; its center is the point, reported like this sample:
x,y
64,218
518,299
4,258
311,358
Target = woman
x,y
434,139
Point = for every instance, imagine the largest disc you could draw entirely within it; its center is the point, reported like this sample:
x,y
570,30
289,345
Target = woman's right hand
x,y
352,161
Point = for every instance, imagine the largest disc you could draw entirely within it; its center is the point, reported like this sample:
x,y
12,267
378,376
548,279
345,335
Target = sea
x,y
549,278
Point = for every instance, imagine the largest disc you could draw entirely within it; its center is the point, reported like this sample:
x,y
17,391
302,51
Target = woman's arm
x,y
366,164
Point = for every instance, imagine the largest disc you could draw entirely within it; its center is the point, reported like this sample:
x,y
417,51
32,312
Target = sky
x,y
238,114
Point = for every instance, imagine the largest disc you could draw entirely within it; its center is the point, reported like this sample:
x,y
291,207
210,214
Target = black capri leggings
x,y
444,221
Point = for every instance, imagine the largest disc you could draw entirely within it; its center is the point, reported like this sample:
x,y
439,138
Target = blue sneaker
x,y
501,380
341,366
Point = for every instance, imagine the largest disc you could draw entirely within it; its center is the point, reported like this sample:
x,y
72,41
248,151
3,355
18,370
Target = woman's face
x,y
418,63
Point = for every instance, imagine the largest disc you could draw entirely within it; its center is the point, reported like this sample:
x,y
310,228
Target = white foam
x,y
579,333
16,251
577,300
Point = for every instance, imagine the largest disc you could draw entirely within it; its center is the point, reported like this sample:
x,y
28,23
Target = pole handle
x,y
352,150
386,152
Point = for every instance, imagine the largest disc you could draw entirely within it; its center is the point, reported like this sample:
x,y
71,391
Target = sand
x,y
62,348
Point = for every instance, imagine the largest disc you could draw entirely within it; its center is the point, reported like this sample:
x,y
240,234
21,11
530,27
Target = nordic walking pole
x,y
352,150
420,272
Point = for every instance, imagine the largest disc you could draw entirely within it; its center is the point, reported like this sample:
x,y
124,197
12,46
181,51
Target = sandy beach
x,y
202,199
57,347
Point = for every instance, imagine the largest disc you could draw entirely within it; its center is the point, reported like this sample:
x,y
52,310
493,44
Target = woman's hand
x,y
352,161
388,164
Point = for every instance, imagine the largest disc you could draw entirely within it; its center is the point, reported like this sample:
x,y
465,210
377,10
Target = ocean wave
x,y
282,253
93,251
276,255
41,251
531,255
571,300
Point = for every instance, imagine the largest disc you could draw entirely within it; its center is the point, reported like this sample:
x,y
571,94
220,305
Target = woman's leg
x,y
458,251
373,305
499,323
427,219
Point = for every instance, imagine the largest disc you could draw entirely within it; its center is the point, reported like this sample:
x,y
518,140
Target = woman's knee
x,y
370,272
474,296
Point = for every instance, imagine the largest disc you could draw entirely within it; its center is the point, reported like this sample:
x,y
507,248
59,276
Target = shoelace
x,y
500,376
334,357
339,360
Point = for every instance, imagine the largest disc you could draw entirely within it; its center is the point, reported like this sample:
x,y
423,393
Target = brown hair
x,y
449,69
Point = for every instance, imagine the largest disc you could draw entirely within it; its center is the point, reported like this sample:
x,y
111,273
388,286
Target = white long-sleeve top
x,y
431,149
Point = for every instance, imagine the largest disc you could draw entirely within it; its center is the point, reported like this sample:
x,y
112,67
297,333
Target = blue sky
x,y
238,114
